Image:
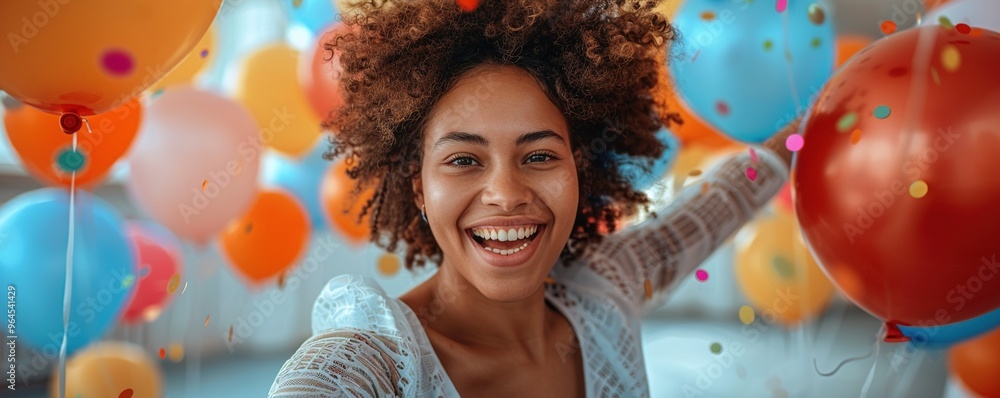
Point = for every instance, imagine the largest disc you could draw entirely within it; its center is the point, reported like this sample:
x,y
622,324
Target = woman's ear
x,y
418,190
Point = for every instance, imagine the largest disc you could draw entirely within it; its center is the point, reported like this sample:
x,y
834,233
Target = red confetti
x,y
127,393
963,28
753,156
468,5
722,107
751,174
781,5
163,353
888,27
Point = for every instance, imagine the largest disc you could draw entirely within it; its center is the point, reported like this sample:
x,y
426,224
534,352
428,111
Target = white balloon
x,y
975,13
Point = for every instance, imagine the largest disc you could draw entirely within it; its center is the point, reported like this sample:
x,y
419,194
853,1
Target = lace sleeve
x,y
643,261
340,363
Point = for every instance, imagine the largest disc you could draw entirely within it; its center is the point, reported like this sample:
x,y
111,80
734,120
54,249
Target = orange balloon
x,y
929,4
110,369
269,237
848,45
777,274
319,72
47,152
694,130
977,363
335,196
91,57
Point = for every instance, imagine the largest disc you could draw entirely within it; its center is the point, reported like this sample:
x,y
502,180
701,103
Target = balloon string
x,y
849,360
871,373
788,62
68,290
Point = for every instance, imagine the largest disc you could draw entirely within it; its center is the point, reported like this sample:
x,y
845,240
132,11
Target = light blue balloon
x,y
300,177
314,15
633,169
730,63
944,336
34,231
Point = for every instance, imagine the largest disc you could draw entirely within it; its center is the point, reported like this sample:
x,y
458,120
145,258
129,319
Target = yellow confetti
x,y
649,289
296,3
747,315
951,59
708,15
549,280
176,352
172,284
694,173
388,264
918,189
204,184
207,317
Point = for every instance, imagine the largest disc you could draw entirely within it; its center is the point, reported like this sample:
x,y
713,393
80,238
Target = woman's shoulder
x,y
352,301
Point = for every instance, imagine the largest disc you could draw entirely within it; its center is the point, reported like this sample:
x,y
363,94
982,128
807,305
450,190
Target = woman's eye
x,y
463,161
539,157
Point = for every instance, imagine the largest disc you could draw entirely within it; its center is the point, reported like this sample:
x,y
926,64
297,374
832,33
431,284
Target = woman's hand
x,y
777,143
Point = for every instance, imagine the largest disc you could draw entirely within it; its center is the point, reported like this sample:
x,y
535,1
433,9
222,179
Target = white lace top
x,y
368,344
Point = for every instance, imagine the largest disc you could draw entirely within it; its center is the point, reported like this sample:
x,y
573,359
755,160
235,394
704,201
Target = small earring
x,y
423,213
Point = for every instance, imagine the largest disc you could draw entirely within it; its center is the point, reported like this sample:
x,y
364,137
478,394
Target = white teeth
x,y
520,233
511,233
508,252
501,235
493,235
505,235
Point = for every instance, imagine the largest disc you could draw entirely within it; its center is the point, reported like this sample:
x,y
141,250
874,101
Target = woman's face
x,y
499,181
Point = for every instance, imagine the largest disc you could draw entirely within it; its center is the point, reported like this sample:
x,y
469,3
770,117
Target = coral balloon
x,y
977,363
896,187
777,274
269,238
319,74
110,369
196,164
159,259
269,88
195,63
693,130
848,45
342,208
931,4
983,14
47,152
91,59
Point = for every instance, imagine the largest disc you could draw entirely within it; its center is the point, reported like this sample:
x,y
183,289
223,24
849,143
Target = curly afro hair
x,y
601,62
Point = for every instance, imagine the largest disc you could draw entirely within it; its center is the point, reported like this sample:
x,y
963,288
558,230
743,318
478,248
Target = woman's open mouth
x,y
506,246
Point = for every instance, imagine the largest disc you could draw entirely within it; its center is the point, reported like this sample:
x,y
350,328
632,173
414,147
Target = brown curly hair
x,y
601,62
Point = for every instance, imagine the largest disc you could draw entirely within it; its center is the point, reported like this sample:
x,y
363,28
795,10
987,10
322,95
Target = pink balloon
x,y
158,260
318,73
196,163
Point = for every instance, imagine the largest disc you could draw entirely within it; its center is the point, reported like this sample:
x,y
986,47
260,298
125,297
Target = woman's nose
x,y
507,188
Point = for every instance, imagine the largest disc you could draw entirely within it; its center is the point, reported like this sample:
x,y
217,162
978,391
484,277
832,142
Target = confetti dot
x,y
204,184
468,5
753,156
781,5
976,32
722,107
694,173
157,93
855,136
176,352
816,14
881,111
230,333
388,264
747,315
701,275
945,22
918,189
704,188
783,267
816,42
935,76
204,53
950,58
649,289
963,28
249,227
847,122
118,63
173,283
768,45
281,280
127,281
751,174
887,27
207,318
549,280
144,271
794,142
296,3
707,15
163,353
716,348
71,160
127,393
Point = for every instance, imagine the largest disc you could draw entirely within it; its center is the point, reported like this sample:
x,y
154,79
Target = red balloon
x,y
158,261
917,109
319,74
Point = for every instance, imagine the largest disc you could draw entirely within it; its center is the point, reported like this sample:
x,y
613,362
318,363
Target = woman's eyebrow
x,y
538,136
476,139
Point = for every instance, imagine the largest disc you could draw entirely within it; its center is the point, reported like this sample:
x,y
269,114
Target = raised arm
x,y
701,218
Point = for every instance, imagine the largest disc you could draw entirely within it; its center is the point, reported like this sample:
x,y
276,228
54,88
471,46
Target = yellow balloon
x,y
107,369
91,57
193,65
668,7
778,275
268,86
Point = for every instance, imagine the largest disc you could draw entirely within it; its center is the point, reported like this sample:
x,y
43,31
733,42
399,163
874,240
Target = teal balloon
x,y
314,15
640,175
34,231
747,69
300,177
944,336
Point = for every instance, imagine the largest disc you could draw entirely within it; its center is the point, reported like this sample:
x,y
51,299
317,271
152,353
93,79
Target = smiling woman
x,y
472,128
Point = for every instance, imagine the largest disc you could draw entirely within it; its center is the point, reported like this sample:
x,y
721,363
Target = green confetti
x,y
945,22
71,160
783,267
847,122
716,348
768,45
881,111
816,42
